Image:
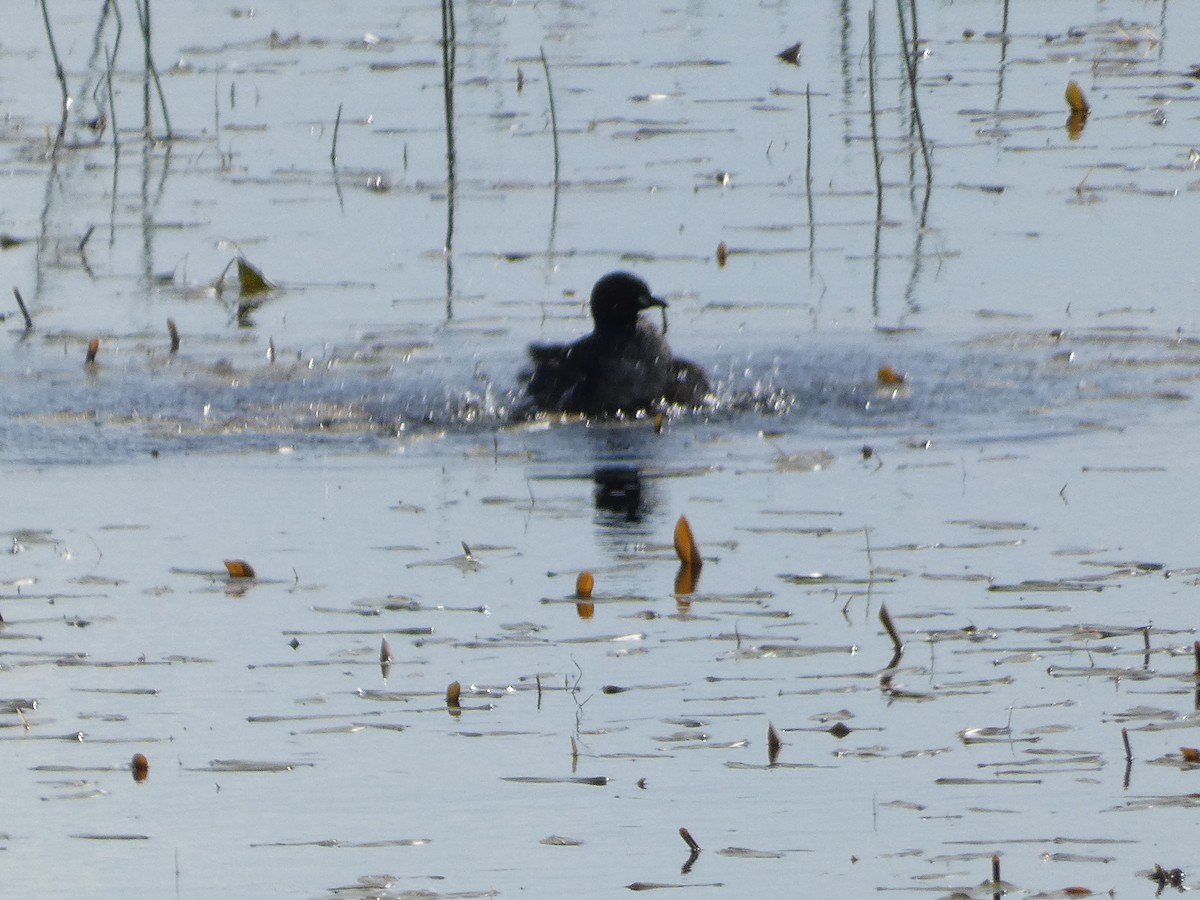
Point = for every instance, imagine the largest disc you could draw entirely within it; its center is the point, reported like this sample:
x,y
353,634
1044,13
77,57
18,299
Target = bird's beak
x,y
650,300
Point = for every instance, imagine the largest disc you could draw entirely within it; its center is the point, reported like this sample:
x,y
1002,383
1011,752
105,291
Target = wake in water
x,y
367,399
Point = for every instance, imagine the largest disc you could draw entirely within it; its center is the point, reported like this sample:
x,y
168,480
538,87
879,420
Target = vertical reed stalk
x,y
60,75
908,48
808,176
337,123
449,60
112,108
553,114
150,71
874,114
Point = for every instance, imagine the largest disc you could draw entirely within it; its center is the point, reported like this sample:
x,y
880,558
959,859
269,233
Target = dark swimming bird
x,y
623,366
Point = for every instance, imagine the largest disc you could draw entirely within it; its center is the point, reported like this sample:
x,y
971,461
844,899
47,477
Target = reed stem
x,y
553,114
337,123
60,75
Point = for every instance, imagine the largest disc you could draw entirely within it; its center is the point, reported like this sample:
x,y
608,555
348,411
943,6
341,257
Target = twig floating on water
x,y
689,840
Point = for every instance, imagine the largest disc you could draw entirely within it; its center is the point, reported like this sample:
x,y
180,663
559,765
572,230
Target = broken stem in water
x,y
886,618
24,309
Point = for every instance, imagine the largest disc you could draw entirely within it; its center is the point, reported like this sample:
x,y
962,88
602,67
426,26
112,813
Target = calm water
x,y
1020,513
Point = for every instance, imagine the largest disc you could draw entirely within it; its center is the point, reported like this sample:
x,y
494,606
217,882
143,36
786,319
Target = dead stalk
x,y
874,115
60,75
24,308
886,618
553,114
337,123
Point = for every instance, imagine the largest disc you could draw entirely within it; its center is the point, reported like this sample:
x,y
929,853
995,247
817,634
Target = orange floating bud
x,y
1075,99
1190,754
722,255
889,376
452,694
584,584
140,767
239,568
93,349
685,544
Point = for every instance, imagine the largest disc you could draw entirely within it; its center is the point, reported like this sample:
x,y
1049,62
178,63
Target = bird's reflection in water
x,y
625,504
623,498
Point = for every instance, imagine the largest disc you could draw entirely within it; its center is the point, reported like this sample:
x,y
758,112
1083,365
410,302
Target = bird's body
x,y
623,367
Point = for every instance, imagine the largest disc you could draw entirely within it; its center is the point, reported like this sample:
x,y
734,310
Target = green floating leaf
x,y
250,280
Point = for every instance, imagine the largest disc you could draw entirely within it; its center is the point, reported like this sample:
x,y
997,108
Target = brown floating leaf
x,y
1190,754
239,568
93,349
685,544
791,55
689,840
140,767
889,377
722,254
1076,100
774,743
452,694
251,280
584,584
